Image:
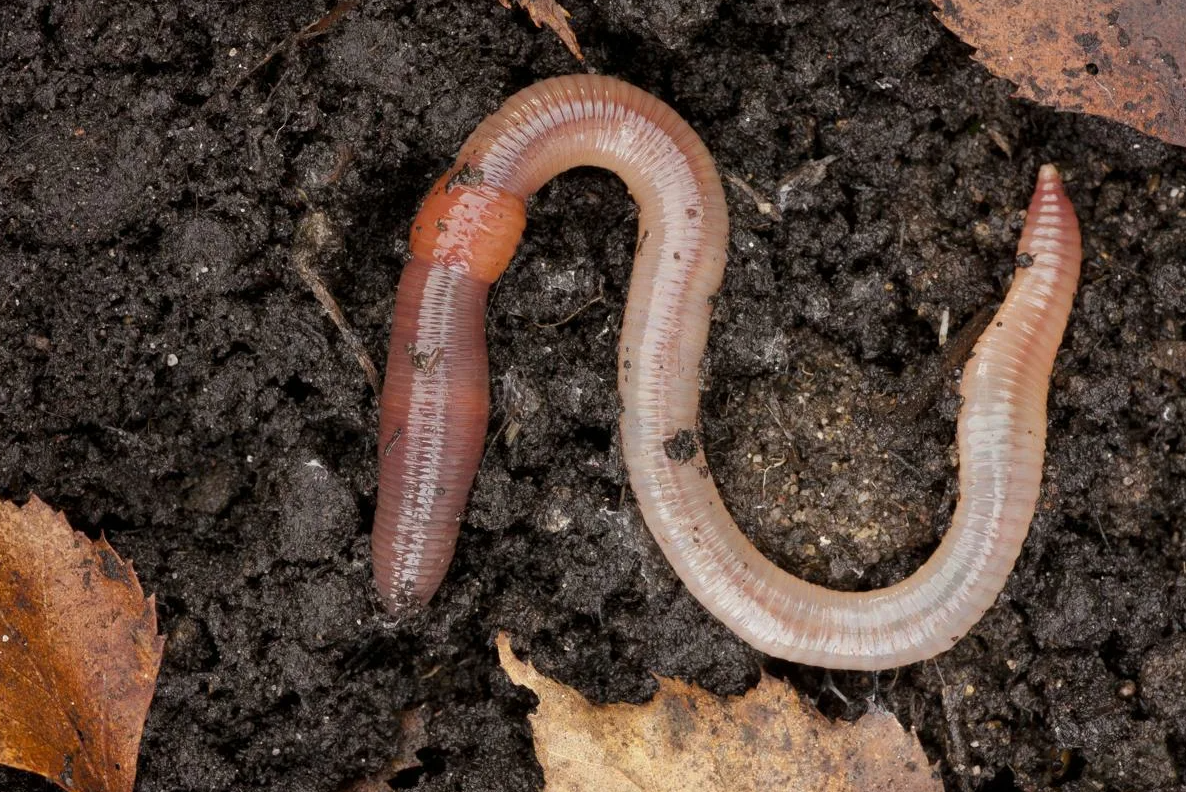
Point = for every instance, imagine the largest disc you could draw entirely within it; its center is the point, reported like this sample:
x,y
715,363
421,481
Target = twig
x,y
315,234
597,298
1103,535
763,204
938,368
592,301
307,33
766,470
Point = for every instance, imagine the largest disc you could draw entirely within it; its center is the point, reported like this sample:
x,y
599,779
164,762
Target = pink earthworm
x,y
435,403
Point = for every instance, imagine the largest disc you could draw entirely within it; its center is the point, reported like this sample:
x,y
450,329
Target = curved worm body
x,y
435,403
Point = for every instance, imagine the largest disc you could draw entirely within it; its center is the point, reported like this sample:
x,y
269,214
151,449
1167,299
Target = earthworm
x,y
435,404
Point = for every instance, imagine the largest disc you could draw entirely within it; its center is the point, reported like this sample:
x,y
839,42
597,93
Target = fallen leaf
x,y
688,739
79,653
412,737
1121,60
552,14
314,29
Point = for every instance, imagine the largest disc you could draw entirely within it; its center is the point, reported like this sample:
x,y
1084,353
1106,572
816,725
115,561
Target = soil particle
x,y
1163,674
171,381
682,446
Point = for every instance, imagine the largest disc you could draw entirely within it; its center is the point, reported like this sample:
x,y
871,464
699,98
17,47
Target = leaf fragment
x,y
413,735
686,738
79,653
1122,60
555,16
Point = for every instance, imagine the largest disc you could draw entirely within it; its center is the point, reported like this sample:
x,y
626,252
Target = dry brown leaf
x,y
1121,60
552,14
688,739
79,653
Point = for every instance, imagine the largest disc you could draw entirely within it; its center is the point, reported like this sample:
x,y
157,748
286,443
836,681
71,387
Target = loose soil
x,y
167,379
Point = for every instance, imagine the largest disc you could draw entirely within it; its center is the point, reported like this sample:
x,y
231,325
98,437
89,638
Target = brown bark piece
x,y
554,15
1122,60
686,738
79,653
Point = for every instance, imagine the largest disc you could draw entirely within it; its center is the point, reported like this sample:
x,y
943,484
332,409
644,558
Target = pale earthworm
x,y
435,401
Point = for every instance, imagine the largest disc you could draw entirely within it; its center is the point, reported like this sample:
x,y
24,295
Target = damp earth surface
x,y
168,379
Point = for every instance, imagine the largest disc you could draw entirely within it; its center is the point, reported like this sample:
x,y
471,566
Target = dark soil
x,y
167,378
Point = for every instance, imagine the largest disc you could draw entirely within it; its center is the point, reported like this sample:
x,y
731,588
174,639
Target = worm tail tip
x,y
1048,173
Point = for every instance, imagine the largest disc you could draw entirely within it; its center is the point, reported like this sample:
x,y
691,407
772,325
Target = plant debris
x,y
315,234
554,15
1116,60
79,653
318,27
412,737
686,738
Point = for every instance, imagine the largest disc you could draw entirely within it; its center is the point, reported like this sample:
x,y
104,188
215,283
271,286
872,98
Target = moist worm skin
x,y
435,403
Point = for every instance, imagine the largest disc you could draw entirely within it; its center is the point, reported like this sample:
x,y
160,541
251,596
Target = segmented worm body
x,y
435,402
